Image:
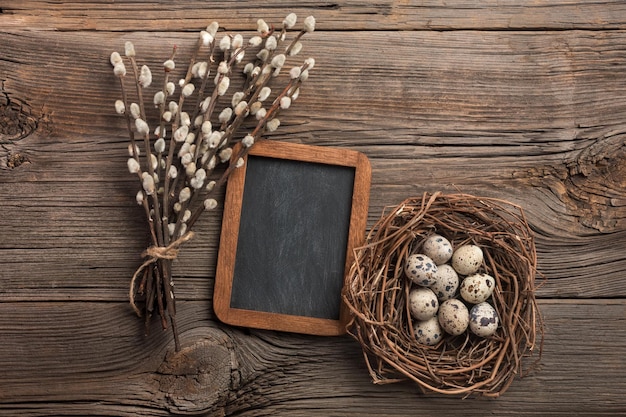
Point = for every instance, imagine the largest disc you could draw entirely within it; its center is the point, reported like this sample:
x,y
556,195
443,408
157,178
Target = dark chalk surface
x,y
293,237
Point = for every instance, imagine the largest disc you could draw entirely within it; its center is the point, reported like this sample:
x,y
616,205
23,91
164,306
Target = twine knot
x,y
154,253
167,252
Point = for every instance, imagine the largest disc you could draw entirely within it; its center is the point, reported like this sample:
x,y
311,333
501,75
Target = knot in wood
x,y
16,119
199,378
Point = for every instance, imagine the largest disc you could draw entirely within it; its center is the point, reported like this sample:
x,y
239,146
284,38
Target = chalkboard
x,y
292,215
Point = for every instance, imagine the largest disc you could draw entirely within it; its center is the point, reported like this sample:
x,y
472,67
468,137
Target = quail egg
x,y
453,317
446,282
421,269
437,248
423,303
428,332
477,288
483,320
467,259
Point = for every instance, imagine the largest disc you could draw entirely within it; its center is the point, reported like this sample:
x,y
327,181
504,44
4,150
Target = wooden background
x,y
522,100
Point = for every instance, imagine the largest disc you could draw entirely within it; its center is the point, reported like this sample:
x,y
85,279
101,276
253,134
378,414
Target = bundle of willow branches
x,y
198,120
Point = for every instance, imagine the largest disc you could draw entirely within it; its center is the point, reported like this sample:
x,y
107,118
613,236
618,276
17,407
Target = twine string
x,y
154,254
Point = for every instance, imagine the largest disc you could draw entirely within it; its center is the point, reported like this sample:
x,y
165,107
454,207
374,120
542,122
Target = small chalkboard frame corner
x,y
295,154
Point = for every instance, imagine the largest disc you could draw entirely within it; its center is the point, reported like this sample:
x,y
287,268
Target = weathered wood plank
x,y
538,117
92,358
519,101
52,253
336,15
519,92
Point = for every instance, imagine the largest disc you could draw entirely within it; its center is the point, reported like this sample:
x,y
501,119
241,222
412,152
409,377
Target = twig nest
x,y
474,258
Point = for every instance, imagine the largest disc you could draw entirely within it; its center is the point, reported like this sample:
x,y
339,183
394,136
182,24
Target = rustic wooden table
x,y
524,101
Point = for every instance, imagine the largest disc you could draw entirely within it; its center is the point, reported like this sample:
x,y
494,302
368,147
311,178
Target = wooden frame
x,y
227,258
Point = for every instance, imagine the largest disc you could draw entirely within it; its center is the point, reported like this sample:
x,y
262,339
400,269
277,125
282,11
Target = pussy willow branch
x,y
175,168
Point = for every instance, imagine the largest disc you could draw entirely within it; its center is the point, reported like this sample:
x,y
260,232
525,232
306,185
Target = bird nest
x,y
377,293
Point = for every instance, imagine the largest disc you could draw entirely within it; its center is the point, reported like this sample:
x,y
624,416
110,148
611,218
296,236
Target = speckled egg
x,y
483,320
423,303
477,288
453,317
437,248
428,332
446,282
421,269
467,259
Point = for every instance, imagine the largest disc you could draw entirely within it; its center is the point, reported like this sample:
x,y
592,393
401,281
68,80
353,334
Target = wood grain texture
x,y
524,102
335,15
109,368
535,124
